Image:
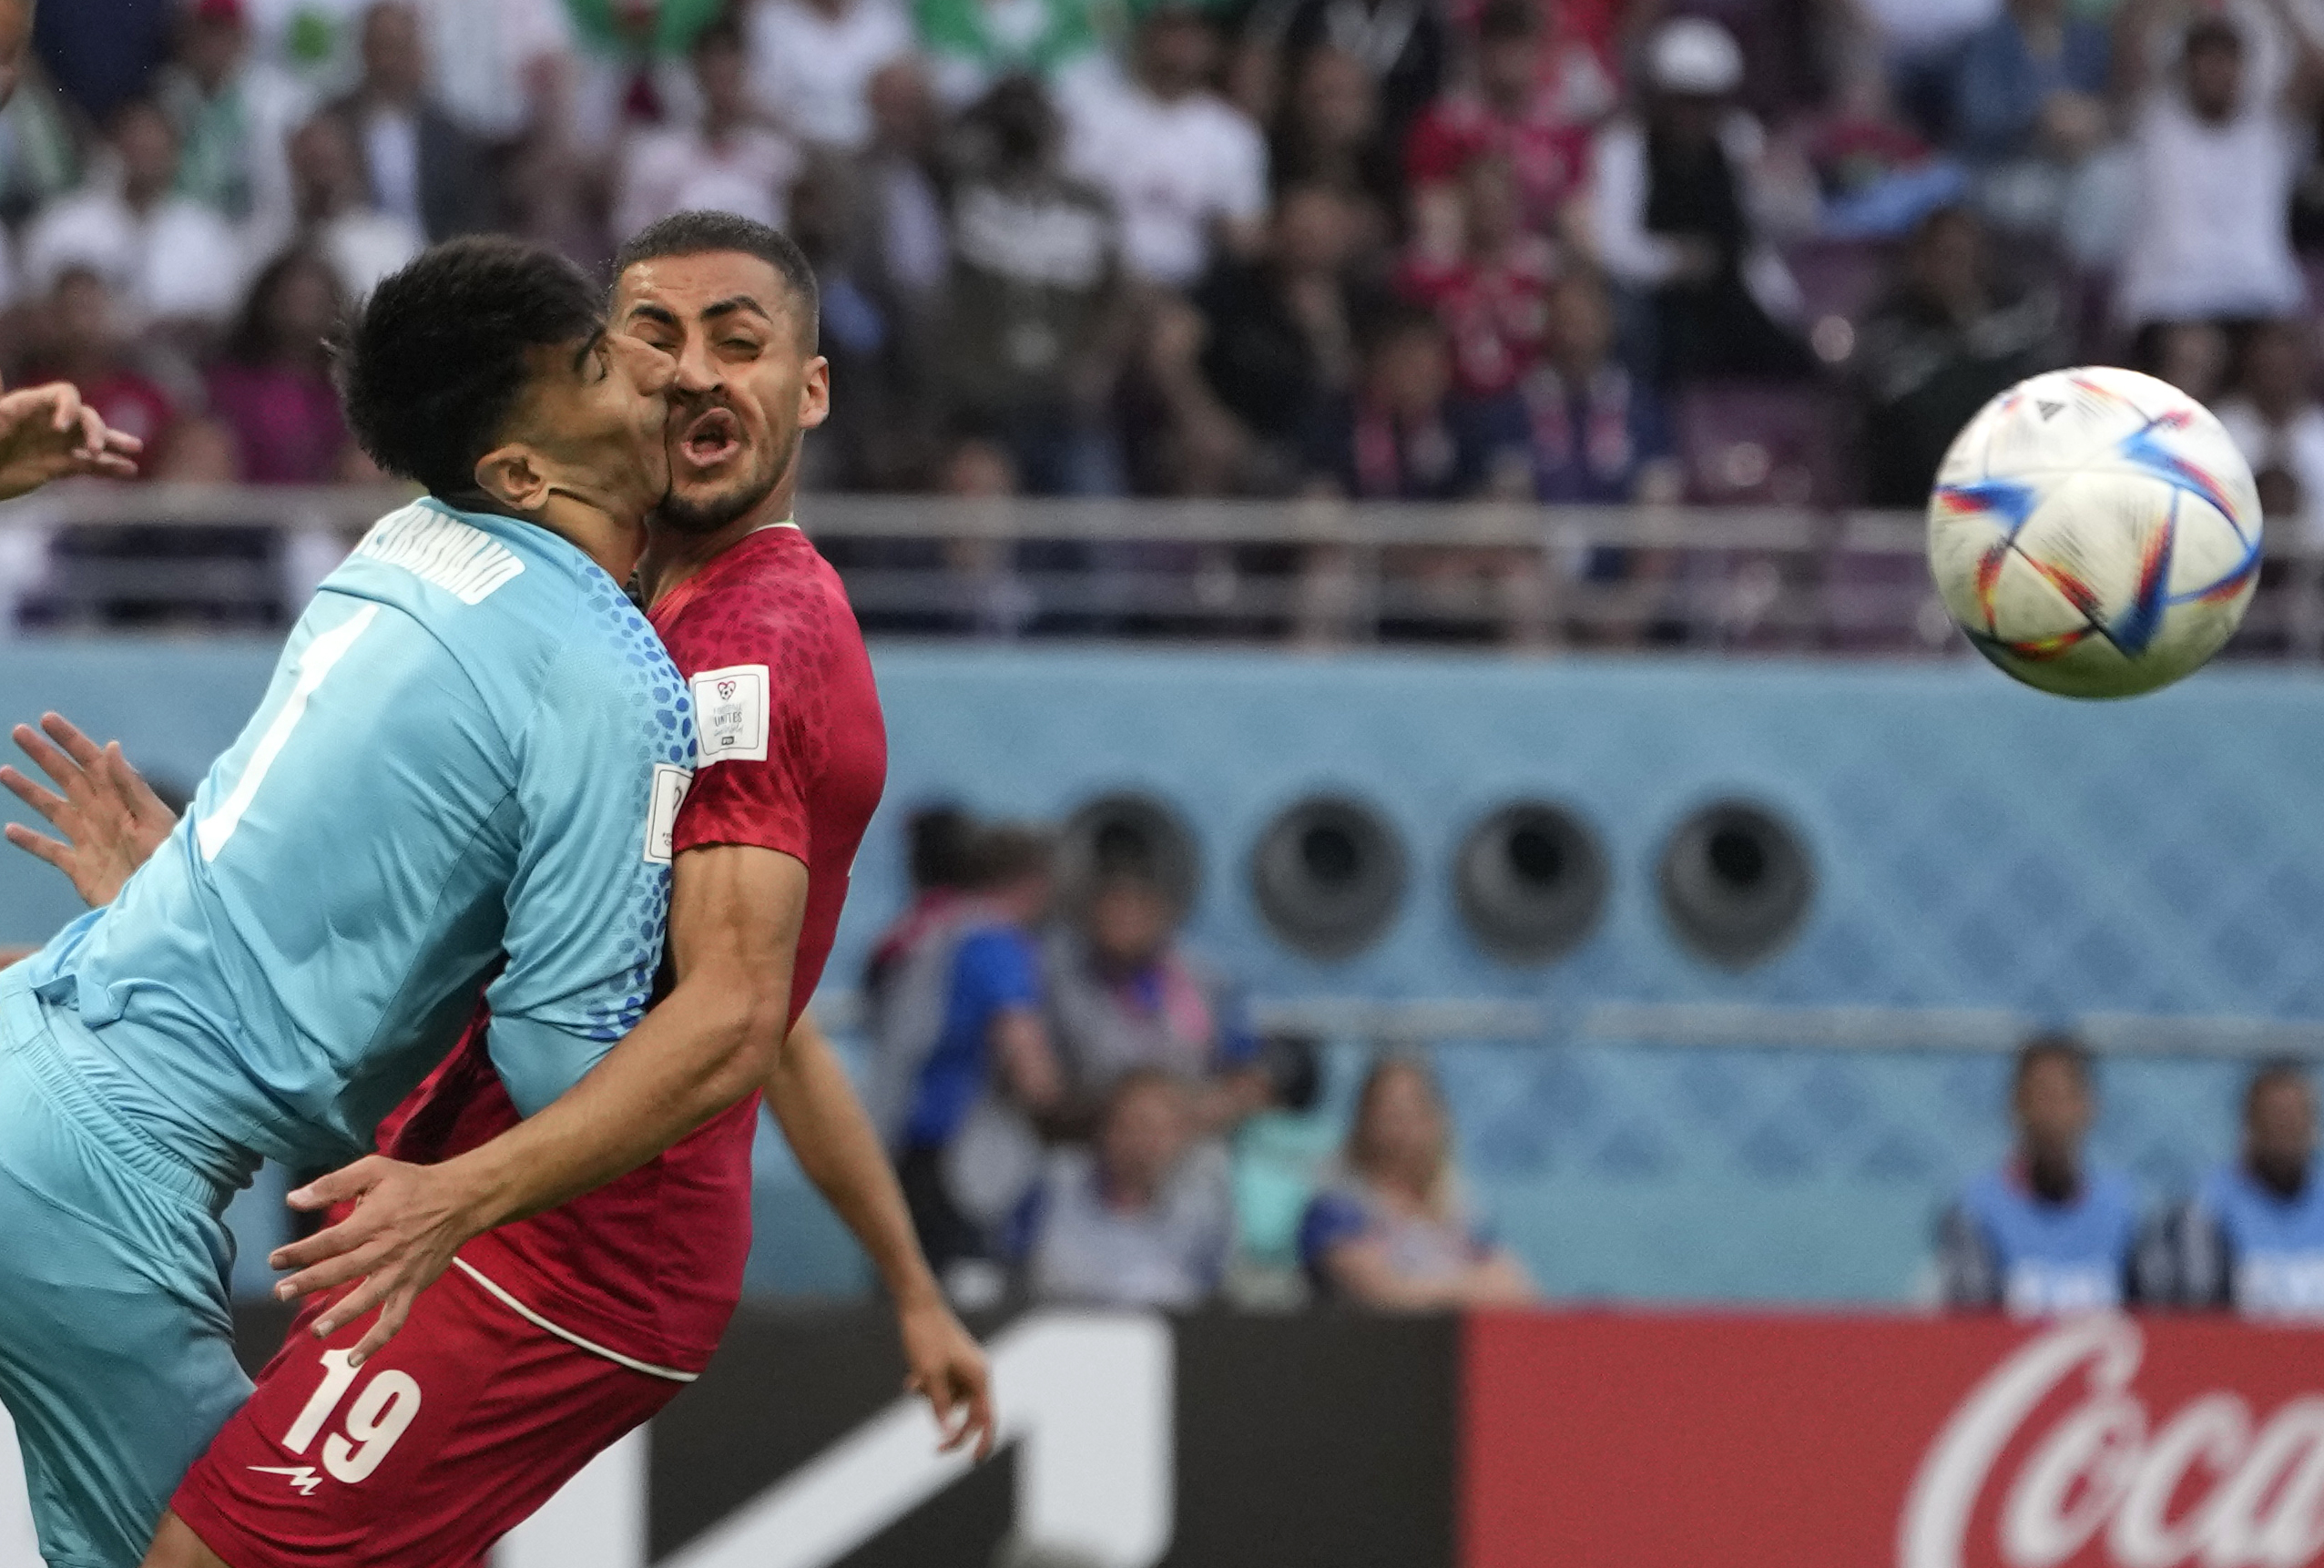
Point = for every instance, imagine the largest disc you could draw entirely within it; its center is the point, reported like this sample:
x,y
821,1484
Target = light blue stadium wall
x,y
1978,847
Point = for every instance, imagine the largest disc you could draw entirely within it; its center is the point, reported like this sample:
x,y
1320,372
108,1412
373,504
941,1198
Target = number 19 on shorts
x,y
381,1414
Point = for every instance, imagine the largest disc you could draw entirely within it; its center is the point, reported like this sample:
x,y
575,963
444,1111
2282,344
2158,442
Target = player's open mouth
x,y
712,438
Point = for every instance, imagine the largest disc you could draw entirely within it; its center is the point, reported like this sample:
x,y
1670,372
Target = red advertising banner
x,y
1646,1441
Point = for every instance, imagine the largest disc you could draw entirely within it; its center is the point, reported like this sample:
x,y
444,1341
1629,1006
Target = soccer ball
x,y
2095,532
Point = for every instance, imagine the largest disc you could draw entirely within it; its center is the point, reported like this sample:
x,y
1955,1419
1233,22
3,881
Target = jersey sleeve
x,y
760,750
601,777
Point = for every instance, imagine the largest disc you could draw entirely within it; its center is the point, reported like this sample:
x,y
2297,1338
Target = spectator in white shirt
x,y
234,116
331,199
1143,1218
812,61
166,258
726,163
1186,170
2278,426
425,169
2216,162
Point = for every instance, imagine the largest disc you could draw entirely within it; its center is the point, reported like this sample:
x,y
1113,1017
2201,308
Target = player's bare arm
x,y
837,1146
46,432
735,917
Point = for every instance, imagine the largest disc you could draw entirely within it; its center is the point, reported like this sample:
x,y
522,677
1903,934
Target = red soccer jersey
x,y
1495,312
792,757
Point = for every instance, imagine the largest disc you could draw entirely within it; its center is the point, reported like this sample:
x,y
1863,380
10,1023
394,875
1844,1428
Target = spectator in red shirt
x,y
1491,293
273,388
84,343
1522,108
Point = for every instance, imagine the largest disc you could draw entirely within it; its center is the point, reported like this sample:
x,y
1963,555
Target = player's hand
x,y
949,1370
109,820
409,1223
47,432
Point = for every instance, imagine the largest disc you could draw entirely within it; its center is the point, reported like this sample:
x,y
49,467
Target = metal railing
x,y
1309,572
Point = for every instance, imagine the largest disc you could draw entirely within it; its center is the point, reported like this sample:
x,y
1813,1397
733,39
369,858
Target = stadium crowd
x,y
1062,1083
1594,250
1059,1078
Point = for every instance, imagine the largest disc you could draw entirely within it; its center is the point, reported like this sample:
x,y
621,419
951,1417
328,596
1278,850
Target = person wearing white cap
x,y
1684,209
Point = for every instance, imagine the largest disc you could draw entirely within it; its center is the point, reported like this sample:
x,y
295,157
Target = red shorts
x,y
469,1420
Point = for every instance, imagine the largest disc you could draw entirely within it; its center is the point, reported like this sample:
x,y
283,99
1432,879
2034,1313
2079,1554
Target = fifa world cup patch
x,y
730,713
670,784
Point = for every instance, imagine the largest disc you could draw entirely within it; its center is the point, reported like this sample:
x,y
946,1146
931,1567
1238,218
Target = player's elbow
x,y
746,1020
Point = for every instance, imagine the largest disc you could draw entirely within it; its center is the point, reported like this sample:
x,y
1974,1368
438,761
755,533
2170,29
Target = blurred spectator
x,y
901,170
272,388
1533,101
40,157
2277,425
1250,368
1331,135
2216,161
1875,178
812,63
939,858
1490,290
1596,434
971,45
2028,105
501,68
1143,1218
234,116
2253,1236
726,162
1033,342
1403,46
1125,994
103,53
631,62
2193,356
331,195
1948,336
964,1061
2045,1233
1687,206
1398,435
424,169
1186,170
80,336
1394,1229
165,258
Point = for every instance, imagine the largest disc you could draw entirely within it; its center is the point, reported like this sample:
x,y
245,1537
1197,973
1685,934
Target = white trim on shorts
x,y
567,1335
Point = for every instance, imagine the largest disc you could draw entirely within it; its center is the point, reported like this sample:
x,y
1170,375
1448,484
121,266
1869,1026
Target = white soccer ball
x,y
2095,532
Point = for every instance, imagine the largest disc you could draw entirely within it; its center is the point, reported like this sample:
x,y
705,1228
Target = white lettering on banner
x,y
1088,1397
2254,1495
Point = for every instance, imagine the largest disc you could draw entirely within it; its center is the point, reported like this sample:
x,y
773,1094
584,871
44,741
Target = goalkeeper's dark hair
x,y
432,367
704,233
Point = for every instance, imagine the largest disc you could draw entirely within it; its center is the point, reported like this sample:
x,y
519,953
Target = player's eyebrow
x,y
588,346
727,307
660,314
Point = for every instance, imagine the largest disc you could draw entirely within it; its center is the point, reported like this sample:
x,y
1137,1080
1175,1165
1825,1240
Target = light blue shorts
x,y
116,1342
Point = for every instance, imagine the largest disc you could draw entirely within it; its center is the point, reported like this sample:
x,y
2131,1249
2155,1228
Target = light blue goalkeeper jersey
x,y
473,746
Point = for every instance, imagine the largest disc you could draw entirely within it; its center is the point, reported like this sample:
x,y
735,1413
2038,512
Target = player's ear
x,y
815,394
512,476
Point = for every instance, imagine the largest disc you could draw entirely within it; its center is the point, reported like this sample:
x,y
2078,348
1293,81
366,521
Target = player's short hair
x,y
433,366
2054,1046
2275,1071
703,233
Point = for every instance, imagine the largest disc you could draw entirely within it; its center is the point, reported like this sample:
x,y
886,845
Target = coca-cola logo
x,y
2212,1486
